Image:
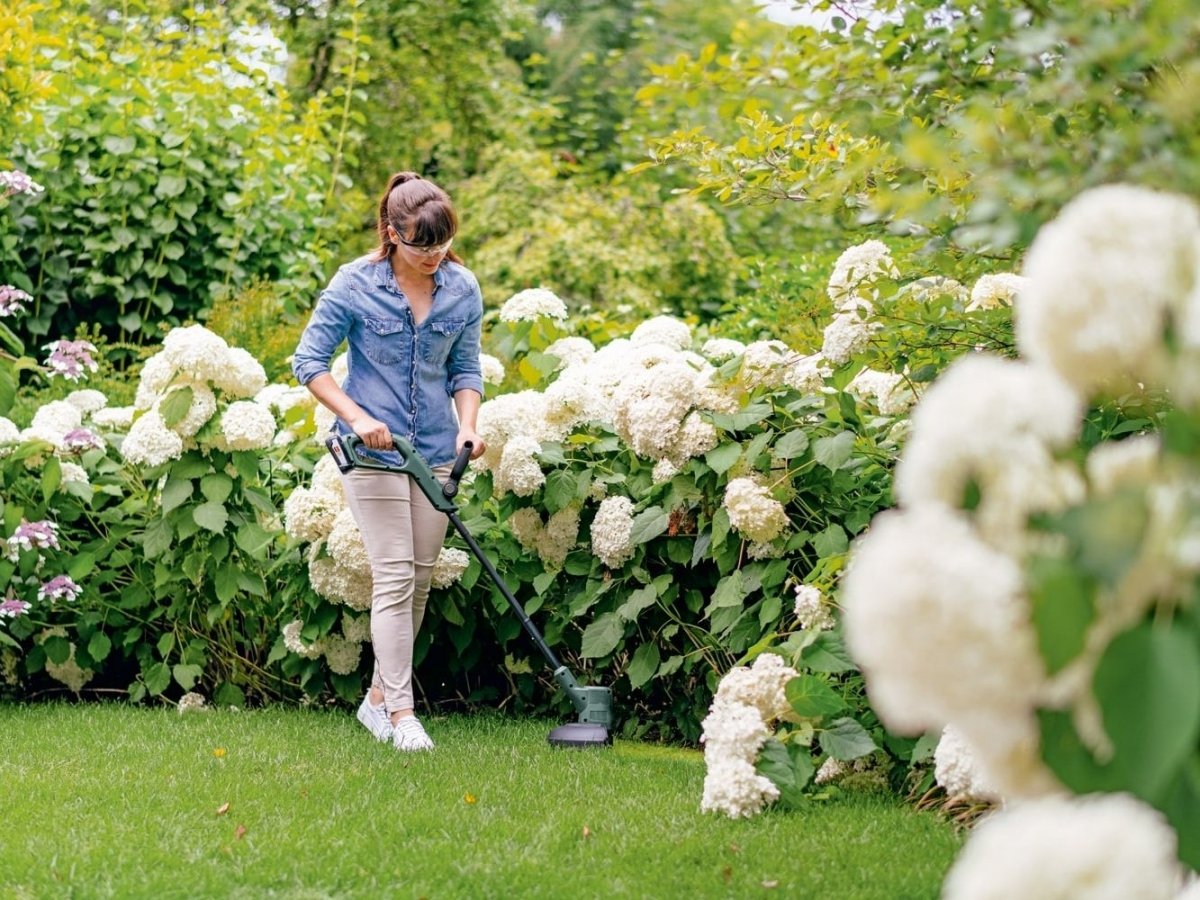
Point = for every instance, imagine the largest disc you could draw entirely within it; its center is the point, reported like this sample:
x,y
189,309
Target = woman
x,y
411,314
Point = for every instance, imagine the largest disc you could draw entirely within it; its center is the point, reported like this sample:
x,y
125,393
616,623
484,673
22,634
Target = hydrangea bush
x,y
1035,589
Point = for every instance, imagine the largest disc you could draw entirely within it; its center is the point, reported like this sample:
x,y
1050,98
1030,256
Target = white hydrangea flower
x,y
1104,278
114,418
753,512
1098,847
994,291
73,473
1133,461
9,432
87,401
572,350
340,583
760,685
571,400
956,768
157,373
650,406
309,514
242,377
503,417
526,526
282,397
342,655
721,349
558,537
845,336
519,471
532,304
294,643
203,407
323,420
492,368
197,352
733,787
356,628
993,423
811,609
940,626
831,770
931,287
57,417
764,363
246,425
806,374
888,389
611,531
856,271
664,471
345,544
666,330
150,442
191,702
450,566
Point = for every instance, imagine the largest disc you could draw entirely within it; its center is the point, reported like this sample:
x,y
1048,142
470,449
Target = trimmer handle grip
x,y
450,488
346,451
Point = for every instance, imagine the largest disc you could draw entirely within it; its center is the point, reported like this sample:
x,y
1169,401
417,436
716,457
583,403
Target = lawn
x,y
116,801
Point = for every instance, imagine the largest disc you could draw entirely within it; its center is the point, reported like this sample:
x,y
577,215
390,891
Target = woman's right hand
x,y
374,433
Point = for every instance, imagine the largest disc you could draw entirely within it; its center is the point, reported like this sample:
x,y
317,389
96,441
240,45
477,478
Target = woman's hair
x,y
419,210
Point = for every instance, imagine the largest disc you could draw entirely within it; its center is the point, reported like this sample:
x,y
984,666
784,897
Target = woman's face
x,y
423,258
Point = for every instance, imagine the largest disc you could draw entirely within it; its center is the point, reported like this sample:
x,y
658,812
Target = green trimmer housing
x,y
593,704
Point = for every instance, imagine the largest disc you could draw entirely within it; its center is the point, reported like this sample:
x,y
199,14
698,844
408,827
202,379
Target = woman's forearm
x,y
330,395
467,402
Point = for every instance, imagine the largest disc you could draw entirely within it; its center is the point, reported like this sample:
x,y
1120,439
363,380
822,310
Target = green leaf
x,y
186,676
1107,533
602,636
789,769
1062,609
119,145
827,653
845,739
559,490
834,452
254,539
638,600
643,665
648,524
812,698
742,420
51,477
791,444
246,462
99,646
176,492
166,643
58,649
722,458
229,694
176,405
211,516
81,566
543,581
216,487
170,186
157,678
731,591
226,582
831,542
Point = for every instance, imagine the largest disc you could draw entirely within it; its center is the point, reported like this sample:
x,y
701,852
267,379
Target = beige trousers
x,y
403,534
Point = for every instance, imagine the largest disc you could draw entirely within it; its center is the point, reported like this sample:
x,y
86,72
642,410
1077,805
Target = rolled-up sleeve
x,y
463,369
327,328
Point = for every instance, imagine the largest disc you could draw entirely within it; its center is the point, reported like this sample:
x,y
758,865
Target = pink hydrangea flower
x,y
80,439
17,182
11,299
10,608
33,536
60,587
71,359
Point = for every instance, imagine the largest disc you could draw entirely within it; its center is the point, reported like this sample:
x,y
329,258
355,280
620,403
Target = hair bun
x,y
402,178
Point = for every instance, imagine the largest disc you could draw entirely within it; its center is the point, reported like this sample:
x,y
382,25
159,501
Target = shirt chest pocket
x,y
440,339
386,340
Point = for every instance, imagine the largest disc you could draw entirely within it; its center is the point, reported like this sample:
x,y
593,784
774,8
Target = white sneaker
x,y
375,719
408,734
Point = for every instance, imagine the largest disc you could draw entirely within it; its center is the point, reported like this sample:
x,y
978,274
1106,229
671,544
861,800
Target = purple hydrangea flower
x,y
11,299
80,439
60,587
70,358
33,536
17,182
10,608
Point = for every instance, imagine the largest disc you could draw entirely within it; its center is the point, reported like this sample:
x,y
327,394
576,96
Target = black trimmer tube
x,y
593,704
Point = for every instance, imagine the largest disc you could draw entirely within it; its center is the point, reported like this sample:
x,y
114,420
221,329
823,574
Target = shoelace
x,y
410,735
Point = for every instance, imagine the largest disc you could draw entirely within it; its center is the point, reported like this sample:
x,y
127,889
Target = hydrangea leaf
x,y
638,600
792,444
176,405
1062,609
722,458
789,770
643,665
845,739
602,636
812,698
175,492
834,452
648,524
211,516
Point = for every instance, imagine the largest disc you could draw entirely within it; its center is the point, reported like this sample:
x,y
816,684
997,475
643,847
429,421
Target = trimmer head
x,y
580,735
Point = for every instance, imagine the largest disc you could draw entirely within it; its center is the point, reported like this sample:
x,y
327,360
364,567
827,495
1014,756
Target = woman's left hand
x,y
468,434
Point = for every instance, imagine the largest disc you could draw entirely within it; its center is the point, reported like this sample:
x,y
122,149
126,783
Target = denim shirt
x,y
402,373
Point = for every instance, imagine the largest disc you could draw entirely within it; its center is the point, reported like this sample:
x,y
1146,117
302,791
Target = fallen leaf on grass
x,y
587,832
727,874
239,832
219,752
470,799
222,809
735,848
770,884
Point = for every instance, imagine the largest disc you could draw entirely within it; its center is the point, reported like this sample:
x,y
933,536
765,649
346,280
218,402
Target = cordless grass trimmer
x,y
593,704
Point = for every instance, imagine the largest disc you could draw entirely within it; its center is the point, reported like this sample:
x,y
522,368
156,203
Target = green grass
x,y
116,801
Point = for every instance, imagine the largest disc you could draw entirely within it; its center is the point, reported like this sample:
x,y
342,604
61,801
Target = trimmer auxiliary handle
x,y
594,704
